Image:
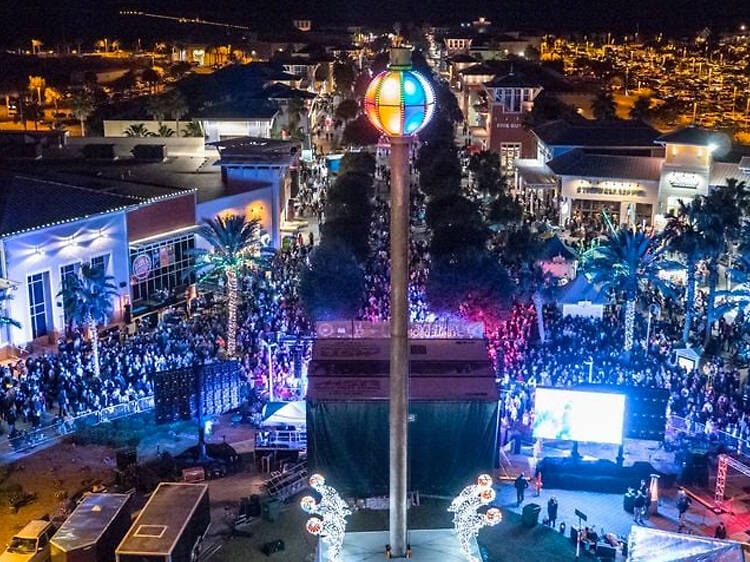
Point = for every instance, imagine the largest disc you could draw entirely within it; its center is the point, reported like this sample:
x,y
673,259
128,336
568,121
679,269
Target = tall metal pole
x,y
399,372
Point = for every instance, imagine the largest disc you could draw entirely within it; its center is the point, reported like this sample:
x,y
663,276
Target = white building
x,y
47,231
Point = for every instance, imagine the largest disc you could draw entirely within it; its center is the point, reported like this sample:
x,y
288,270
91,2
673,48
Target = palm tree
x,y
641,108
37,84
52,96
81,106
720,221
177,107
138,130
87,301
603,106
235,245
738,297
625,263
157,108
165,131
685,237
4,319
193,129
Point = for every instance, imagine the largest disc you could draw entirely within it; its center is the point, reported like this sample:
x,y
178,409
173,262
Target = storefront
x,y
160,272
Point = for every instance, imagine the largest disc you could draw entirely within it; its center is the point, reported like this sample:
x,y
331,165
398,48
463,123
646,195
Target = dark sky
x,y
50,19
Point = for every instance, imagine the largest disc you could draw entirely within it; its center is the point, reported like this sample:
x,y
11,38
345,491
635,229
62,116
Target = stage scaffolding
x,y
726,462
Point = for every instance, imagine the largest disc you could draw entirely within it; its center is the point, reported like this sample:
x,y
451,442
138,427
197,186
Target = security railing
x,y
28,439
677,426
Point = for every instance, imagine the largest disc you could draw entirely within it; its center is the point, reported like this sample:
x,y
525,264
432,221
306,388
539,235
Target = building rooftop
x,y
160,523
51,202
141,181
281,91
620,133
583,164
89,520
513,80
691,136
243,109
462,58
723,171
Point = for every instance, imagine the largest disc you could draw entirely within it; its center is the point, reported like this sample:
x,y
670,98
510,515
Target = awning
x,y
285,413
534,174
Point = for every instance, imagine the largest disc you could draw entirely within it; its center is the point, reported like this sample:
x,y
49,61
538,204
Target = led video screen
x,y
578,416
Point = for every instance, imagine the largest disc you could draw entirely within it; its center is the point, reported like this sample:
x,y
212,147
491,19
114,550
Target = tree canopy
x,y
331,287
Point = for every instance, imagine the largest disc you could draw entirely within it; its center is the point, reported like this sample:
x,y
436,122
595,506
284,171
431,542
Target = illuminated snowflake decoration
x,y
329,515
467,520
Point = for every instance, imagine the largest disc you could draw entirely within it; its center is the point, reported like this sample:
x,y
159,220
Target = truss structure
x,y
725,463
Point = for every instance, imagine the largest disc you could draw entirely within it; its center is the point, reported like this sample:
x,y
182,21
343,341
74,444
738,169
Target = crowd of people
x,y
584,350
66,384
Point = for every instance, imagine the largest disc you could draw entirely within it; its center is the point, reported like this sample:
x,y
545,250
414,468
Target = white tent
x,y
285,413
652,545
581,298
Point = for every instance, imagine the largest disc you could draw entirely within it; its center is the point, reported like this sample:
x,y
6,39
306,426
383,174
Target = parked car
x,y
30,544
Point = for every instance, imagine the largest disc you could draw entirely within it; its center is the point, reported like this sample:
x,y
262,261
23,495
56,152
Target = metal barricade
x,y
32,438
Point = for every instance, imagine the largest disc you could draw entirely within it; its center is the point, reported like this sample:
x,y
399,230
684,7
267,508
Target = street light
x,y
399,102
270,346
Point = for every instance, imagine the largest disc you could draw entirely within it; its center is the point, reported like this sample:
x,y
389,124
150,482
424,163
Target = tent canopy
x,y
653,545
580,290
285,413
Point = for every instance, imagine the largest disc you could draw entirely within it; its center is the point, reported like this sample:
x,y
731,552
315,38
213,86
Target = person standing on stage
x,y
683,503
520,484
721,531
552,511
638,506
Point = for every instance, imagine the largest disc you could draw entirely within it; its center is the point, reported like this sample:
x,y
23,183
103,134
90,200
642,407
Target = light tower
x,y
399,102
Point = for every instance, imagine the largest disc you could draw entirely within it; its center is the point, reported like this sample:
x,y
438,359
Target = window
x,y
100,262
170,266
38,303
70,269
509,153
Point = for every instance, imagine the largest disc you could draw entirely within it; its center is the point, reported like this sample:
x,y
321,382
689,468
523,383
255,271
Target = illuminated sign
x,y
381,330
622,189
141,267
684,180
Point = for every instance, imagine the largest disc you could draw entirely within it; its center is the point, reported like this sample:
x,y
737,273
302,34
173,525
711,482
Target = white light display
x,y
329,515
467,521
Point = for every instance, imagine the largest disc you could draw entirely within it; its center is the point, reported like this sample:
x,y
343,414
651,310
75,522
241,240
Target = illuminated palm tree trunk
x,y
689,302
94,344
232,310
539,307
629,323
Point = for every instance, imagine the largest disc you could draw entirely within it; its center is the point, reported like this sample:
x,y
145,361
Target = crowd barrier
x,y
28,439
677,426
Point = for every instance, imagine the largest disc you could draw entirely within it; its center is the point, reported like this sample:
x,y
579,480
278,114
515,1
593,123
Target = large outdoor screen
x,y
578,416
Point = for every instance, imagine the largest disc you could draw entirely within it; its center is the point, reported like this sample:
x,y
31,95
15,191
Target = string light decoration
x,y
328,516
467,521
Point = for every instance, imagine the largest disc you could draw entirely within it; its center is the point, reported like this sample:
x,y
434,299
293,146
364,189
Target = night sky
x,y
87,19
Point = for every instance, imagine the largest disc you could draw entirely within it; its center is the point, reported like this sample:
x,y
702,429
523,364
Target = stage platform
x,y
427,546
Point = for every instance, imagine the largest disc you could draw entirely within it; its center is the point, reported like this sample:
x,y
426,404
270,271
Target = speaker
x,y
126,457
253,506
606,552
271,547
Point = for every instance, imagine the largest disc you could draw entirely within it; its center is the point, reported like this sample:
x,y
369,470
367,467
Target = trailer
x,y
171,526
93,530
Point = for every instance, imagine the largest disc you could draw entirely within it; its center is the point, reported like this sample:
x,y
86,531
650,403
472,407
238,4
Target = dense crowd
x,y
583,350
66,380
